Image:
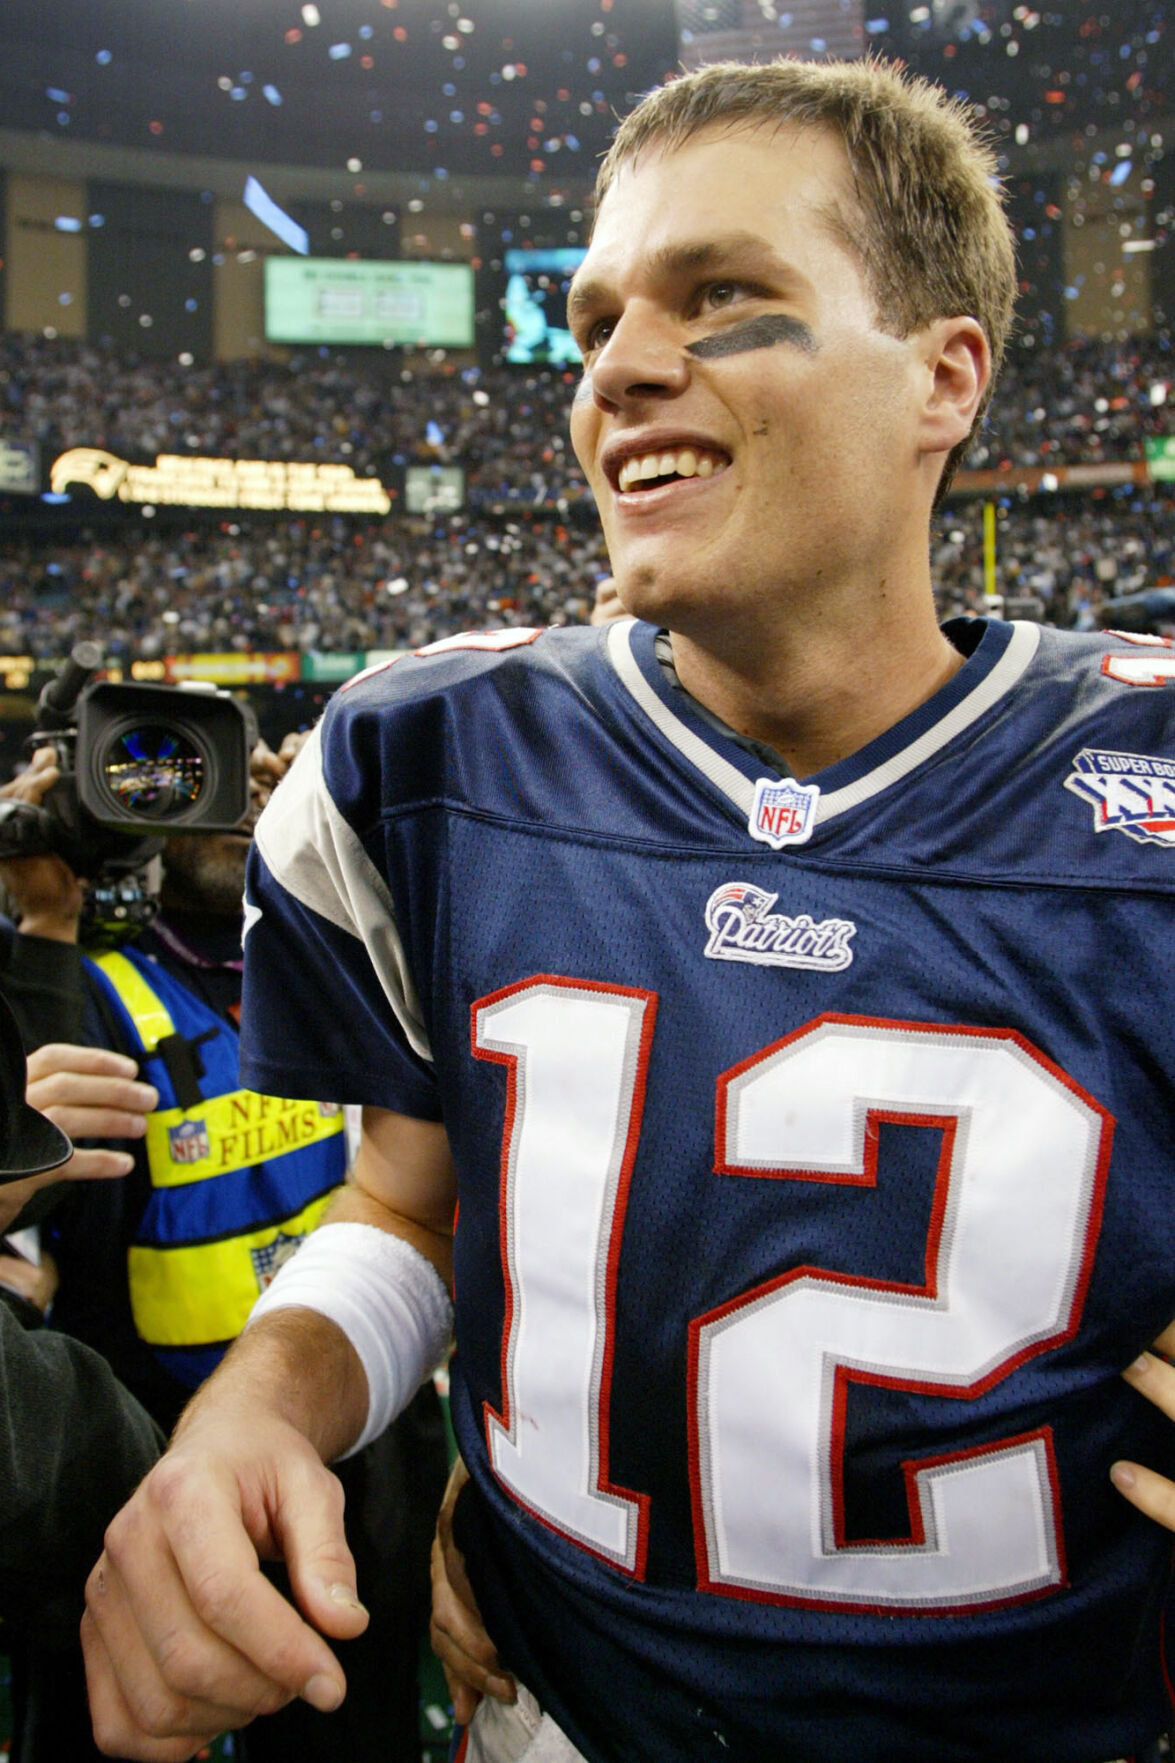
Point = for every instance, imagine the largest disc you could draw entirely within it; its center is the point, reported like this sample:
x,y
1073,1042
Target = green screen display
x,y
335,300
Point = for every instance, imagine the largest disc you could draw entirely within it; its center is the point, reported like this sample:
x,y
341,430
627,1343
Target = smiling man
x,y
769,975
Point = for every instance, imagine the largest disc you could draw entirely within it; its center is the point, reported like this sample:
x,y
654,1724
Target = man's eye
x,y
597,334
720,294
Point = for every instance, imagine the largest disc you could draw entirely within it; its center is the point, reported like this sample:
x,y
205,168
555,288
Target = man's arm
x,y
183,1635
73,1443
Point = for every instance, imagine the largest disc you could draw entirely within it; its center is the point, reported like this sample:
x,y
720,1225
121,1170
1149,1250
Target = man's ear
x,y
958,370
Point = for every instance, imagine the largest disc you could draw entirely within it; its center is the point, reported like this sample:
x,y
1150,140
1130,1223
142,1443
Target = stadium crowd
x,y
1081,402
510,431
527,549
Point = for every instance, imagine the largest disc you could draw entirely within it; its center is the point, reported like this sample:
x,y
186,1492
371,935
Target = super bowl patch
x,y
188,1141
1131,793
783,812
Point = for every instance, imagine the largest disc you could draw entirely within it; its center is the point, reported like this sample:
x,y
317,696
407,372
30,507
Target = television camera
x,y
137,763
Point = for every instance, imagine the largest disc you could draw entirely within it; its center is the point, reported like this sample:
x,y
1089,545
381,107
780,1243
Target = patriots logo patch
x,y
743,927
188,1141
1131,793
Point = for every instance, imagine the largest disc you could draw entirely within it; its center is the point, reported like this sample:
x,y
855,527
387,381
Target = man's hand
x,y
1153,1378
459,1639
90,1094
45,894
267,768
34,1281
183,1635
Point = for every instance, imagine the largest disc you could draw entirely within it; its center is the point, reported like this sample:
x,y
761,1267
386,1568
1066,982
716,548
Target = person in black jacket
x,y
74,1442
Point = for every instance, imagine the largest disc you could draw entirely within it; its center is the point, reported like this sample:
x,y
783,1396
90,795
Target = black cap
x,y
30,1144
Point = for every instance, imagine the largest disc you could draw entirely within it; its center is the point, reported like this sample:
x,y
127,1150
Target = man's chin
x,y
206,872
656,594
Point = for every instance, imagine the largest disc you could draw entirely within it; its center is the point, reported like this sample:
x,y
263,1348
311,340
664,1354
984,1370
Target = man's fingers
x,y
459,1638
1154,1379
1151,1493
95,1166
89,1092
239,1641
463,1698
319,1563
97,1123
456,1616
64,1056
175,1674
458,1635
117,1730
84,1089
36,780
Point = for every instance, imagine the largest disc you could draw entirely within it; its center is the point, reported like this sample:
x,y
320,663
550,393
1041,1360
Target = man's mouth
x,y
648,471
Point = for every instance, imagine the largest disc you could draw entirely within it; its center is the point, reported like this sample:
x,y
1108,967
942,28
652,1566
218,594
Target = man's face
x,y
730,336
205,872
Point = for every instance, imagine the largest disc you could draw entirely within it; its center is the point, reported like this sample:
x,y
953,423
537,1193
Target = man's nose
x,y
643,358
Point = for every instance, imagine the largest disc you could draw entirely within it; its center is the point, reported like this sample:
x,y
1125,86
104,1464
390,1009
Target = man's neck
x,y
818,702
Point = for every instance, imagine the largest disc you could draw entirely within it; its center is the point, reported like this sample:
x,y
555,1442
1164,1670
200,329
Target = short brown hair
x,y
930,227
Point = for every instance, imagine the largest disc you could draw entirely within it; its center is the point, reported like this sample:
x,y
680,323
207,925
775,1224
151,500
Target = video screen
x,y
338,300
536,305
434,489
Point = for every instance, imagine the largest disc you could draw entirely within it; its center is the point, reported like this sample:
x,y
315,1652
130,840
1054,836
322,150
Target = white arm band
x,y
387,1298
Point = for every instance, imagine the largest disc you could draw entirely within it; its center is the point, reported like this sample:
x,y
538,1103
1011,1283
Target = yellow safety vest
x,y
237,1180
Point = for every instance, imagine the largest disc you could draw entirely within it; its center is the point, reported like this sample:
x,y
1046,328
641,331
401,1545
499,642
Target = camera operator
x,y
73,1441
159,1272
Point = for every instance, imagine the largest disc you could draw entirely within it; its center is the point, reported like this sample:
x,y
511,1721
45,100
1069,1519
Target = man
x,y
158,1272
780,968
73,1441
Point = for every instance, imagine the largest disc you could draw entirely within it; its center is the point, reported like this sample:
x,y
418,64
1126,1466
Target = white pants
x,y
519,1732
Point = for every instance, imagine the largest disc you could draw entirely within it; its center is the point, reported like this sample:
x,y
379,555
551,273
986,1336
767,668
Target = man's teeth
x,y
685,462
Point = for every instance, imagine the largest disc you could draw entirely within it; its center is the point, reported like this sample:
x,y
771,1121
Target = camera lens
x,y
154,771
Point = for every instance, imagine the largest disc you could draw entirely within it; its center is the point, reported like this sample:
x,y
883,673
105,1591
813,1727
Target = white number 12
x,y
1008,1254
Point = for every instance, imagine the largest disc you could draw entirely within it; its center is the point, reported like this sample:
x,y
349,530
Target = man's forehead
x,y
757,144
814,155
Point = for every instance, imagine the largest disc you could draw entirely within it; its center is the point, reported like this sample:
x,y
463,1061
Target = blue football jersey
x,y
814,1146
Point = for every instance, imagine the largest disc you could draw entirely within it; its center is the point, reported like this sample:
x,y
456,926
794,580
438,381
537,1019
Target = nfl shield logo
x,y
188,1141
269,1261
783,812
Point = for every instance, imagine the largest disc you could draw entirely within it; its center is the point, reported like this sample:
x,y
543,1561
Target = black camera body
x,y
161,757
137,763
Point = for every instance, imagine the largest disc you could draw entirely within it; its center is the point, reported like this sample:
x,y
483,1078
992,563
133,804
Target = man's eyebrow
x,y
738,252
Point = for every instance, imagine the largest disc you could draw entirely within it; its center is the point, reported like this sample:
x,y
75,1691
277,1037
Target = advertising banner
x,y
177,480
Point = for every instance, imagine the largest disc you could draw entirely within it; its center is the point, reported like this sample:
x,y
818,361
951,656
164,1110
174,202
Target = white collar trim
x,y
740,789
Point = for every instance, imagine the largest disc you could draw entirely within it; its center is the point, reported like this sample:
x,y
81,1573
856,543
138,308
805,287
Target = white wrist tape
x,y
387,1298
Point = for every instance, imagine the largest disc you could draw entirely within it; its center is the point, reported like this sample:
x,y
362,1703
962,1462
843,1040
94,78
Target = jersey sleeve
x,y
329,1011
